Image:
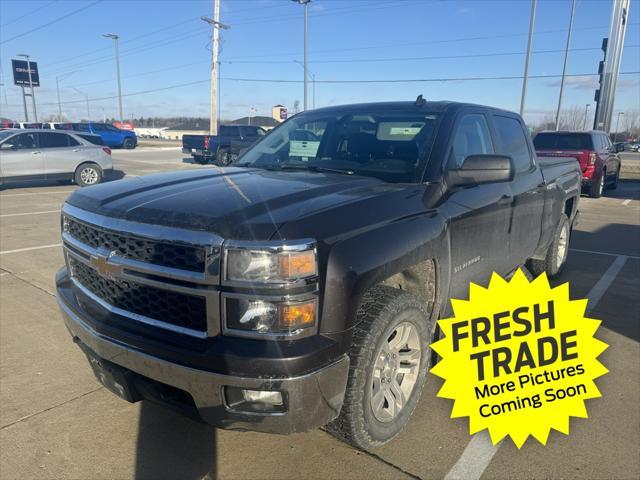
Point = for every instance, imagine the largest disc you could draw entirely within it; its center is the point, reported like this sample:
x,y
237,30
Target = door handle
x,y
35,152
76,149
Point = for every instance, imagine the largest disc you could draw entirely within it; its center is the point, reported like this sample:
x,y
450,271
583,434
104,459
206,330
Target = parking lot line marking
x,y
475,458
28,249
34,193
601,286
608,254
479,451
31,213
627,201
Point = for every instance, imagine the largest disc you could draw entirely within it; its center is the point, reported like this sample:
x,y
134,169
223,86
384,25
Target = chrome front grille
x,y
186,257
164,277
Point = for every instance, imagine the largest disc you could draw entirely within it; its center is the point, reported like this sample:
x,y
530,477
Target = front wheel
x,y
129,144
389,359
88,174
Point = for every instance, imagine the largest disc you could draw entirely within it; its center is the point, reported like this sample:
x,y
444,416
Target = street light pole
x,y
313,81
586,112
58,79
564,66
305,3
528,56
215,65
116,38
615,135
33,97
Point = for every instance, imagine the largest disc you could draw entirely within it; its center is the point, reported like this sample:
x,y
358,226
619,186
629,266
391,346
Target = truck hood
x,y
244,203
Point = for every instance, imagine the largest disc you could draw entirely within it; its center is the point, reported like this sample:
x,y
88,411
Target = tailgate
x,y
582,156
193,141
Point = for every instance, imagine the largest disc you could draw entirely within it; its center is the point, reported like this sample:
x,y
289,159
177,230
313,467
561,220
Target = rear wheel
x,y
88,174
557,253
389,362
597,185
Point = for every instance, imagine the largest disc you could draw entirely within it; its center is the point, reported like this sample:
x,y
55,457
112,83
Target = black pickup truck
x,y
225,147
300,287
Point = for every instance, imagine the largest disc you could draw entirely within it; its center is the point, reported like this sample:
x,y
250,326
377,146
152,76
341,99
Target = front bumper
x,y
311,400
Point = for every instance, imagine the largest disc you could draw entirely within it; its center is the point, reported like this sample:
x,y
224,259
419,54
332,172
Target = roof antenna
x,y
420,101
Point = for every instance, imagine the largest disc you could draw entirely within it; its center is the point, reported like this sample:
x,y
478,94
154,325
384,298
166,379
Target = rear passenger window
x,y
53,140
471,138
513,142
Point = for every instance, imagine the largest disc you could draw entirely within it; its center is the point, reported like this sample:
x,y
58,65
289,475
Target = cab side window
x,y
471,138
513,142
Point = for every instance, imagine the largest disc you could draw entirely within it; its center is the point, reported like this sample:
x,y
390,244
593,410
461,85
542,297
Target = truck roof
x,y
429,106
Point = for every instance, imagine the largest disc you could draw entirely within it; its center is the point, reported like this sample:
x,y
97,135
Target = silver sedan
x,y
53,155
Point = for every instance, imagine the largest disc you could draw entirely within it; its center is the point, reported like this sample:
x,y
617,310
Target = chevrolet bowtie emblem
x,y
100,262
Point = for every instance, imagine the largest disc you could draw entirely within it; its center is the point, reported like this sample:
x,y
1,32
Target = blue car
x,y
111,136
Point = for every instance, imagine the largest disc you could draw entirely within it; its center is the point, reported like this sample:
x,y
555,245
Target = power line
x,y
55,20
30,12
287,81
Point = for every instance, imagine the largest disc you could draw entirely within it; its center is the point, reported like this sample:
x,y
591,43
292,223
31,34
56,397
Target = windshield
x,y
563,141
388,145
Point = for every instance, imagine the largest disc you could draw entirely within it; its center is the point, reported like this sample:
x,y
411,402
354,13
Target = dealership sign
x,y
21,73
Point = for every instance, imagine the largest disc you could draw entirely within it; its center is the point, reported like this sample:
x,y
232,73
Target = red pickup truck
x,y
598,158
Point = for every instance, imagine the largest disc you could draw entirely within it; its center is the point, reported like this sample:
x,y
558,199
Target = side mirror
x,y
480,169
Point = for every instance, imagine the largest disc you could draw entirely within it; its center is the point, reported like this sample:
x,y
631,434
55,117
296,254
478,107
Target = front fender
x,y
357,263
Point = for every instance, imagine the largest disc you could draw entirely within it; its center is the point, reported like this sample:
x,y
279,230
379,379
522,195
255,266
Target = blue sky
x,y
164,43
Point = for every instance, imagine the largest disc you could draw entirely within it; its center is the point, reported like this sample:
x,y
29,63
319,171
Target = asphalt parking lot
x,y
57,421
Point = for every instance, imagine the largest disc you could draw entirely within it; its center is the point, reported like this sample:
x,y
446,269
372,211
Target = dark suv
x,y
598,158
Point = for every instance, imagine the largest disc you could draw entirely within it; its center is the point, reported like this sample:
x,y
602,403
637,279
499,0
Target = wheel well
x,y
87,163
568,206
419,280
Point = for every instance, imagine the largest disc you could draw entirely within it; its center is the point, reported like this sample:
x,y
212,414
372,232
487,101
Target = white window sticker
x,y
303,148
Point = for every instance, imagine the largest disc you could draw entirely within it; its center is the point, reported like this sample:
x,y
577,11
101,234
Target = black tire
x,y
129,144
382,310
200,159
88,174
614,184
553,262
597,185
223,157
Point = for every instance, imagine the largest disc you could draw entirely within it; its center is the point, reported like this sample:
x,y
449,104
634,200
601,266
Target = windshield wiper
x,y
313,168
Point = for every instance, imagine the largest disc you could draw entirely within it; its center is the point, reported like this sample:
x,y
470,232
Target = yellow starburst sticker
x,y
519,358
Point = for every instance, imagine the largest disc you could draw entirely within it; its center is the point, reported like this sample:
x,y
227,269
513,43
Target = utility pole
x,y
564,66
305,3
33,97
58,79
215,23
116,38
586,112
528,56
86,97
615,135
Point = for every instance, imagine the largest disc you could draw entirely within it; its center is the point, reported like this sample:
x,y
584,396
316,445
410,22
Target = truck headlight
x,y
267,317
271,264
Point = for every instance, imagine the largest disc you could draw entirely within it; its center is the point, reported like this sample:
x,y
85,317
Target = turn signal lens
x,y
298,315
298,264
592,158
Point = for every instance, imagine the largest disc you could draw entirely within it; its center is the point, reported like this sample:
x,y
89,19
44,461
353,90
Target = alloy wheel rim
x,y
562,246
395,372
89,176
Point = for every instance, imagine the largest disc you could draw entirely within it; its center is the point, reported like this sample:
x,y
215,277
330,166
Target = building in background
x,y
279,113
265,122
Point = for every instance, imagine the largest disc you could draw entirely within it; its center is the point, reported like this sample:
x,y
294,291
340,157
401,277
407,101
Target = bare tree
x,y
631,121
